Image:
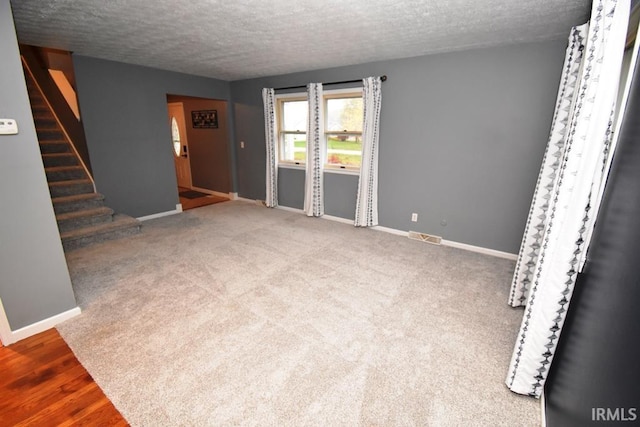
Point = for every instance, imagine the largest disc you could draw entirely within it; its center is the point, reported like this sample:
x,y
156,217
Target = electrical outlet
x,y
8,127
241,144
414,217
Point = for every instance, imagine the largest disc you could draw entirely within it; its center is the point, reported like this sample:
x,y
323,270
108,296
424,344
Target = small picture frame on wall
x,y
204,119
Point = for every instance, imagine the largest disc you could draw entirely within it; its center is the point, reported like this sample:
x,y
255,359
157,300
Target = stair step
x,y
54,146
70,187
53,134
45,123
122,225
59,159
41,109
65,173
73,220
77,202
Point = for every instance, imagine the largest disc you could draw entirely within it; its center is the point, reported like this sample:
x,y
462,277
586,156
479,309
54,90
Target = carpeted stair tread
x,y
70,187
59,159
65,173
122,225
78,219
77,198
77,202
85,213
54,146
69,182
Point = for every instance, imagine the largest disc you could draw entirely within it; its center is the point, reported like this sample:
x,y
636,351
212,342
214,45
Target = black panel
x,y
597,363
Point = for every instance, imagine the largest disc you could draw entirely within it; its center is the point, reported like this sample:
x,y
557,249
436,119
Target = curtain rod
x,y
382,78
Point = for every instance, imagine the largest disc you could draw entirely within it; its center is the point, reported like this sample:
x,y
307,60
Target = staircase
x,y
82,217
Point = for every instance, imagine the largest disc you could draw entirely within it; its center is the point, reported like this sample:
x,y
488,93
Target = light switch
x,y
8,127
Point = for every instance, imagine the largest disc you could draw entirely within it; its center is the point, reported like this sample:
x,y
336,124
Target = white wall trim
x,y
41,326
177,210
234,196
543,409
390,230
5,329
338,219
242,199
288,209
480,249
464,246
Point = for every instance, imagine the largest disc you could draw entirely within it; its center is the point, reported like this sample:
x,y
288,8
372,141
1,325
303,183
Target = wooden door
x,y
180,144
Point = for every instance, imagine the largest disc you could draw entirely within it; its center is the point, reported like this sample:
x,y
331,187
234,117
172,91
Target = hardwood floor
x,y
43,384
199,201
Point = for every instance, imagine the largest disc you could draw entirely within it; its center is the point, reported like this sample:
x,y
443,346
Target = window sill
x,y
336,171
301,166
339,171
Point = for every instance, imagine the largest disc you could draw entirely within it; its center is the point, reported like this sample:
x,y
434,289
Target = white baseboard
x,y
234,196
466,247
288,209
177,210
242,199
338,219
543,409
36,328
390,230
480,249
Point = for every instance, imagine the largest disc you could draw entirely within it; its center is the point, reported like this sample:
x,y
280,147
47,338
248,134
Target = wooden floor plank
x,y
42,383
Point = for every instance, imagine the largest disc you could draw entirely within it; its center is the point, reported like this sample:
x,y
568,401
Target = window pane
x,y
294,148
295,115
344,150
344,114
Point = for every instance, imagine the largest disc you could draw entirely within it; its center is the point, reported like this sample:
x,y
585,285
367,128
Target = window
x,y
343,113
292,129
343,129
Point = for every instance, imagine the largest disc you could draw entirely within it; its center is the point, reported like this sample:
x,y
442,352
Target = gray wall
x,y
462,136
34,280
124,112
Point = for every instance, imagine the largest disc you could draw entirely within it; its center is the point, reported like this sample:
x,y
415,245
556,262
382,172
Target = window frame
x,y
280,100
353,92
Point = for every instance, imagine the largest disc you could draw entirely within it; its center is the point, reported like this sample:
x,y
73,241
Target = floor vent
x,y
423,237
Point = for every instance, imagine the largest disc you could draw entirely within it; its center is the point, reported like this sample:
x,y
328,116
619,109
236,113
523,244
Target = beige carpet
x,y
235,314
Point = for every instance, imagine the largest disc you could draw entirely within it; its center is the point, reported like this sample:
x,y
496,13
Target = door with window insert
x,y
179,144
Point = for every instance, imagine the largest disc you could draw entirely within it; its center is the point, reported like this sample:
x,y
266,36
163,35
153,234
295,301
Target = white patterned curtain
x,y
563,208
313,191
271,143
367,201
537,221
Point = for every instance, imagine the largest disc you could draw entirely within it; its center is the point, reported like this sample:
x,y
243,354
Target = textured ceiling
x,y
233,40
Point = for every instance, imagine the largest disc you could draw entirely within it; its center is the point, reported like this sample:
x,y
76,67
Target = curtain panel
x,y
560,248
367,201
538,219
271,144
313,192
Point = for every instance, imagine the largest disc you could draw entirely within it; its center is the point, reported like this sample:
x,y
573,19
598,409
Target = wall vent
x,y
423,237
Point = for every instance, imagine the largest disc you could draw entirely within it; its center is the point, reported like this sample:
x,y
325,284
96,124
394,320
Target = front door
x,y
180,144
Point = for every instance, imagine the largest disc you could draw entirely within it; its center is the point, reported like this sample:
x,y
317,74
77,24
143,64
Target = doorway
x,y
200,144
